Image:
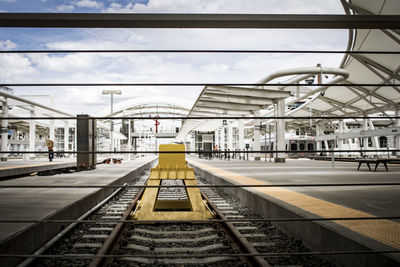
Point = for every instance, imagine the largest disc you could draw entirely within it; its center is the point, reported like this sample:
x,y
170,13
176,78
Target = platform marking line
x,y
35,165
384,231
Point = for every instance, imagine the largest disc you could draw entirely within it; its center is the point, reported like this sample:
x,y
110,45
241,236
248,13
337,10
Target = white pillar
x,y
280,131
241,137
140,139
318,133
32,134
129,139
349,140
230,137
217,136
256,144
397,137
52,122
66,138
4,130
365,127
222,138
340,141
326,144
375,141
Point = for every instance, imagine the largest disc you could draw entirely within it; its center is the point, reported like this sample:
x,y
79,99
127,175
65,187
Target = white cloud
x,y
65,8
118,8
7,45
157,67
14,67
239,6
89,4
67,64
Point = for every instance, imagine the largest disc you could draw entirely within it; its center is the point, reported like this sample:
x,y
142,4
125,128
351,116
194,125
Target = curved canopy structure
x,y
347,100
150,106
353,100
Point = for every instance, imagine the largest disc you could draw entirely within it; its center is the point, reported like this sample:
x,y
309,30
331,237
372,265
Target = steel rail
x,y
88,256
199,21
205,221
203,118
113,238
245,246
66,230
201,186
179,51
197,84
204,151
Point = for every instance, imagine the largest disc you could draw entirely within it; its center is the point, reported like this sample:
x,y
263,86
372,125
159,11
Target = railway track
x,y
171,243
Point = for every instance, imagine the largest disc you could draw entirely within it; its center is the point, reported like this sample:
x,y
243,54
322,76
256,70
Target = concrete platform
x,y
55,203
324,202
18,167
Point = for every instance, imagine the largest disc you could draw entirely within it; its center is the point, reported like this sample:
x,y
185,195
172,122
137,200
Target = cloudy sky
x,y
157,68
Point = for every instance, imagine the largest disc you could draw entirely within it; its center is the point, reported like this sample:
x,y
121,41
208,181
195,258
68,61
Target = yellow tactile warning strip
x,y
384,231
35,165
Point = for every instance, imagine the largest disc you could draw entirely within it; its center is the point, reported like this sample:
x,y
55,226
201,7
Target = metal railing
x,y
201,21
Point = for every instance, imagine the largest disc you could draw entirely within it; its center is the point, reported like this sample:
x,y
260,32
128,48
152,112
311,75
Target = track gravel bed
x,y
146,244
87,238
265,237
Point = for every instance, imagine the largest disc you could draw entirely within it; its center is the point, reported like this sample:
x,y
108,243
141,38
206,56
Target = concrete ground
x,y
320,202
61,203
377,200
17,167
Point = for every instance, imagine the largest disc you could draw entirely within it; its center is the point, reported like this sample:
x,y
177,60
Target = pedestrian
x,y
50,145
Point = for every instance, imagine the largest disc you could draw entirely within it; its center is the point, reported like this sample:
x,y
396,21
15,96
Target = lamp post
x,y
310,99
111,92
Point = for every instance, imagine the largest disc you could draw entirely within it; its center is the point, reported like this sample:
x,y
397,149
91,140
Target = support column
x,y
86,133
256,144
129,140
241,137
349,140
326,144
4,130
222,138
217,137
280,131
318,132
340,141
66,138
140,139
52,123
397,137
230,137
365,127
375,141
32,134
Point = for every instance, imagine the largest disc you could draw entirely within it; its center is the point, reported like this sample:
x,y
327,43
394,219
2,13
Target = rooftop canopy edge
x,y
228,100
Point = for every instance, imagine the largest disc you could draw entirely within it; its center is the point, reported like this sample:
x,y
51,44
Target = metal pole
x,y
397,136
270,146
265,141
333,153
129,139
4,130
310,113
112,128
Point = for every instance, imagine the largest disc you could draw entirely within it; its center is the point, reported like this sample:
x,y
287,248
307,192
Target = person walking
x,y
50,146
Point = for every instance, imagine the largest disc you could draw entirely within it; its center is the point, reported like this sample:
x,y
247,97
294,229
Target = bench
x,y
375,161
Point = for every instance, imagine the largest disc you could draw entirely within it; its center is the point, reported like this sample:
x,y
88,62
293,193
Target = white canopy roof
x,y
346,100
